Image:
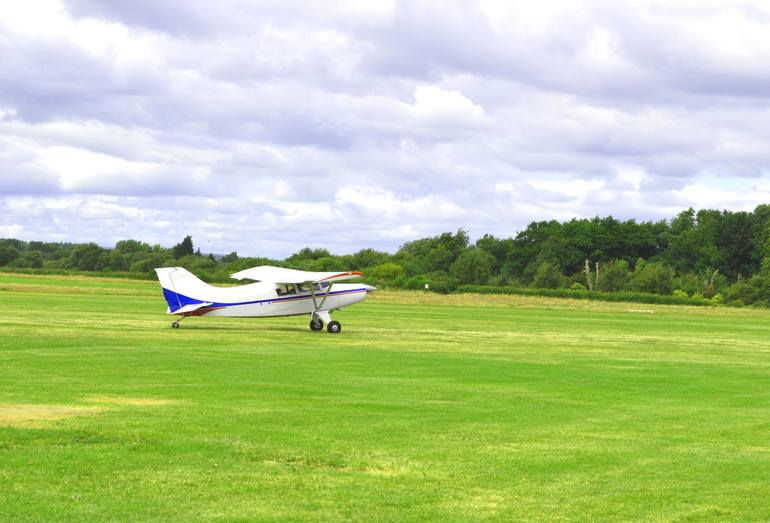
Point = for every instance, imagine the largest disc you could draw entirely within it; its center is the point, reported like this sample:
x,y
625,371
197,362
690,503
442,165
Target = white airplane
x,y
279,292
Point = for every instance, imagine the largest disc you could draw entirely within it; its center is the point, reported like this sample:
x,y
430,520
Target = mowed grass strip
x,y
425,407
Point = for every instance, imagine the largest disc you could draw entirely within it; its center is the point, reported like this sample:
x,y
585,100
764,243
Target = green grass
x,y
425,407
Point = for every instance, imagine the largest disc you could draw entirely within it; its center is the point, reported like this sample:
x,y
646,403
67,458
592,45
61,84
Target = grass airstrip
x,y
425,407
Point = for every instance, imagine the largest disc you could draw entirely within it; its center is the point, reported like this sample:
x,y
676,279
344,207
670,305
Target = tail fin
x,y
180,287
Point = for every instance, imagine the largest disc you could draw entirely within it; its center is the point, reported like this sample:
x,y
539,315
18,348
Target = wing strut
x,y
317,305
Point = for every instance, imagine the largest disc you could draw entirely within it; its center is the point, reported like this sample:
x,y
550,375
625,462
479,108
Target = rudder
x,y
179,287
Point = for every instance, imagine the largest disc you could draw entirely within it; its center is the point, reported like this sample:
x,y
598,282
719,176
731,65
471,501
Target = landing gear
x,y
175,325
320,318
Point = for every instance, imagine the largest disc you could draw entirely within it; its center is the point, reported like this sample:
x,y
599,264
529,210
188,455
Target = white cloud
x,y
440,107
265,127
14,230
83,171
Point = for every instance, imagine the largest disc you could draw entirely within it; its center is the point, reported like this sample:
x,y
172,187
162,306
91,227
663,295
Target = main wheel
x,y
316,324
334,327
175,325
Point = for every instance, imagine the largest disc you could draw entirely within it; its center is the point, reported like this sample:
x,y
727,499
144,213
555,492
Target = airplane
x,y
277,292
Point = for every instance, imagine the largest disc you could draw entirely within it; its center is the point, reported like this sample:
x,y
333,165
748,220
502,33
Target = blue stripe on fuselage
x,y
174,299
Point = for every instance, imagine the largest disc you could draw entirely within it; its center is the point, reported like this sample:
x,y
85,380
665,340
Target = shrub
x,y
547,276
415,283
689,283
387,272
652,277
755,290
742,292
441,283
613,276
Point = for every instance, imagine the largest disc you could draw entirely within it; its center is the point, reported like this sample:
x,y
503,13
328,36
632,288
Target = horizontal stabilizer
x,y
281,275
192,307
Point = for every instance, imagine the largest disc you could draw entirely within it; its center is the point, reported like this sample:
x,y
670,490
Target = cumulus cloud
x,y
262,127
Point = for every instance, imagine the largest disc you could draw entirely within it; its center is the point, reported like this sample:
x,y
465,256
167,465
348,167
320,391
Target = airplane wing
x,y
280,275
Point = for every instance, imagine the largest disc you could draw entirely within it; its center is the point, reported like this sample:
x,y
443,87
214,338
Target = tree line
x,y
723,256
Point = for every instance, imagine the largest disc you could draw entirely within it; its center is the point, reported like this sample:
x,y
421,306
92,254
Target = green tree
x,y
760,243
117,261
198,264
498,248
368,258
526,254
614,276
652,277
548,276
88,257
130,247
29,260
387,272
473,266
229,258
734,234
682,242
439,259
435,254
149,262
8,254
183,248
307,253
327,263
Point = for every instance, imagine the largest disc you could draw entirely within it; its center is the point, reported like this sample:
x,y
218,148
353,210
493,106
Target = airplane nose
x,y
370,288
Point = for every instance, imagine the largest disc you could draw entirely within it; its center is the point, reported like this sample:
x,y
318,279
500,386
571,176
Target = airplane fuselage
x,y
259,300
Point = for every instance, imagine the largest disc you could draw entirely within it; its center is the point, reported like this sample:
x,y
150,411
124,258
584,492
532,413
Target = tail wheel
x,y
334,327
316,324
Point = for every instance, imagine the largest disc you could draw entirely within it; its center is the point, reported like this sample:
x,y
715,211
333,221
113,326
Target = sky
x,y
262,127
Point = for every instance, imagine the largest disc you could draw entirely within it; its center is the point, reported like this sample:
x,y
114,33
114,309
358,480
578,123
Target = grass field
x,y
425,407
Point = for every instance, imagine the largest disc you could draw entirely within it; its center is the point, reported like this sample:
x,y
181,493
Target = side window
x,y
285,289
